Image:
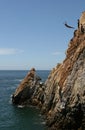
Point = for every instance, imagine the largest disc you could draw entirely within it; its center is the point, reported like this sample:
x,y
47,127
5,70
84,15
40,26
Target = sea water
x,y
13,117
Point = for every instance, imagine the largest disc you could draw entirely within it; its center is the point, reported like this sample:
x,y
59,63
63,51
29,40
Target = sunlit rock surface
x,y
62,97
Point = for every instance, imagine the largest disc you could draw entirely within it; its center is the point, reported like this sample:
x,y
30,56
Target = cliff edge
x,y
62,97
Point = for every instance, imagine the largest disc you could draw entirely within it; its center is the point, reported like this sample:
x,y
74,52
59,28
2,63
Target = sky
x,y
32,32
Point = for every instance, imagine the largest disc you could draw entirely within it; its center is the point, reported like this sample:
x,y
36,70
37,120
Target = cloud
x,y
10,51
56,53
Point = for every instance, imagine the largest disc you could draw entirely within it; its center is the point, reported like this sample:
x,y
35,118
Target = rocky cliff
x,y
62,97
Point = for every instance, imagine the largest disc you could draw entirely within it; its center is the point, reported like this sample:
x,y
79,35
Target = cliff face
x,y
62,96
65,91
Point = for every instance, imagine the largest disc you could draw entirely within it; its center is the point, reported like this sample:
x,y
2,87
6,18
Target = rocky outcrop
x,y
62,96
30,91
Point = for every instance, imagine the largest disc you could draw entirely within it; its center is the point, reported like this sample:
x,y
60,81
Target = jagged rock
x,y
67,110
82,22
30,90
62,96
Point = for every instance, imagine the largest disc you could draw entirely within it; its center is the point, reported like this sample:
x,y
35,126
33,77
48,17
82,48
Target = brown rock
x,y
25,90
62,97
67,84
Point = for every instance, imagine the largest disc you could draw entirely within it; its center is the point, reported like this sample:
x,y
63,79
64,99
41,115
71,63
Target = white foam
x,y
43,123
20,106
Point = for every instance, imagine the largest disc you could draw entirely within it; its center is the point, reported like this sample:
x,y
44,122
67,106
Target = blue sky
x,y
32,32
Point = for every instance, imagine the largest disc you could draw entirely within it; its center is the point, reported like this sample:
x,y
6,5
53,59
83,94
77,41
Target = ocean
x,y
13,117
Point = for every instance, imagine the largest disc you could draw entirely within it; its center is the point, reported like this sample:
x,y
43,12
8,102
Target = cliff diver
x,y
68,25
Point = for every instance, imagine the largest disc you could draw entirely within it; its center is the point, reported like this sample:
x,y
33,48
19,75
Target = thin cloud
x,y
10,51
56,53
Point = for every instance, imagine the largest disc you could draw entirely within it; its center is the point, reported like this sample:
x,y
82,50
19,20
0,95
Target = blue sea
x,y
13,117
